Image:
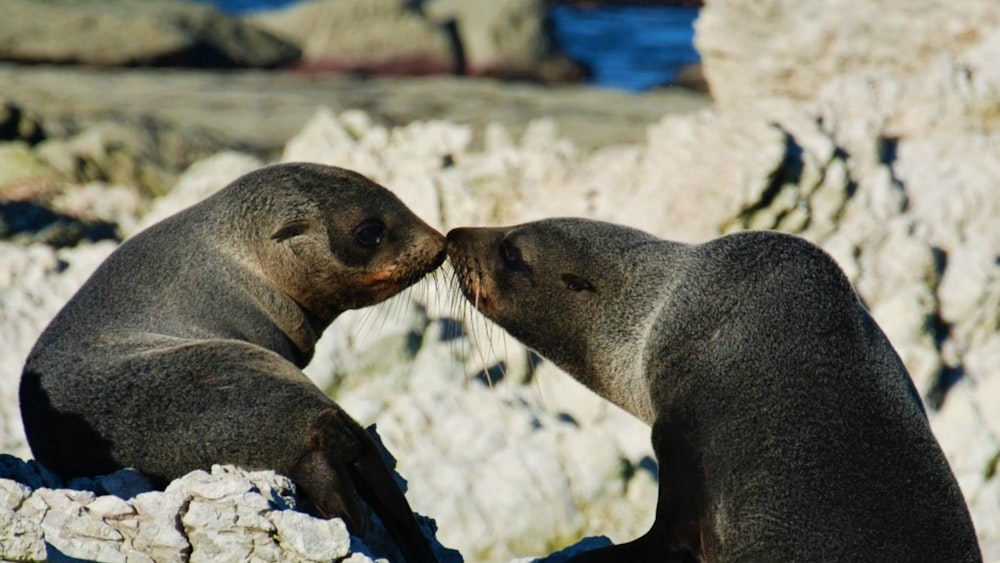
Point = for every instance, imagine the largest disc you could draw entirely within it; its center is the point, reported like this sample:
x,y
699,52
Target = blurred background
x,y
867,126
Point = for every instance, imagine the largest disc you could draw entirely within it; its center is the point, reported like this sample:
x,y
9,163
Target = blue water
x,y
628,47
242,6
631,48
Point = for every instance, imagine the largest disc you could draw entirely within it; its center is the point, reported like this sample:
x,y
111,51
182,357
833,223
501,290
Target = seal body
x,y
785,426
184,348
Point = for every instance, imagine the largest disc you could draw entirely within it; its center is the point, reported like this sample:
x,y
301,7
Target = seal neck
x,y
265,316
625,377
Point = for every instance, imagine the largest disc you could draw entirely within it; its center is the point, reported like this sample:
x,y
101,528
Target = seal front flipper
x,y
343,468
638,550
653,547
676,534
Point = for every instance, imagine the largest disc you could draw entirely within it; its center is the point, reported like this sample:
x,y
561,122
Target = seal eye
x,y
369,233
576,283
511,256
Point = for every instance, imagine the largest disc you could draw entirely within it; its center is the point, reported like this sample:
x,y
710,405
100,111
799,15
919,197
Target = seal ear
x,y
289,230
576,283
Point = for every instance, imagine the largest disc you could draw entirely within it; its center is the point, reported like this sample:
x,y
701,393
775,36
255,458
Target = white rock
x,y
311,538
111,507
759,49
21,537
12,493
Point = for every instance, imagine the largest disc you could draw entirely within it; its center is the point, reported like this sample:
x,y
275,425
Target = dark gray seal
x,y
785,425
184,348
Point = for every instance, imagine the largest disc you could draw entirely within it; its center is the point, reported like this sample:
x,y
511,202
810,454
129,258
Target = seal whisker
x,y
363,327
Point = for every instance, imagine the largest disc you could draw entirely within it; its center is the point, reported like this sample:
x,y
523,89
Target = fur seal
x,y
785,425
184,347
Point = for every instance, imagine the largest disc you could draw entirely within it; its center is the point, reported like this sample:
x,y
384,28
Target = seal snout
x,y
468,252
457,239
438,241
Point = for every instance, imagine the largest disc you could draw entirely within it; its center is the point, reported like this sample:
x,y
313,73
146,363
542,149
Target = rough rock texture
x,y
894,173
134,32
752,49
227,514
536,461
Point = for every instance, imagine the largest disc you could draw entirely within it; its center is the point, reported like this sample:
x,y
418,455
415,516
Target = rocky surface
x,y
134,33
226,514
752,49
504,38
500,38
536,449
894,173
378,36
259,111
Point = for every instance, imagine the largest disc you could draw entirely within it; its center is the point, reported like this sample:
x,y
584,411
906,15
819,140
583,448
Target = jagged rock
x,y
894,173
134,32
755,49
228,514
312,539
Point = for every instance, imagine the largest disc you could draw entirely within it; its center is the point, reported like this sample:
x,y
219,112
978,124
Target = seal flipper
x,y
638,550
340,447
675,535
648,548
326,493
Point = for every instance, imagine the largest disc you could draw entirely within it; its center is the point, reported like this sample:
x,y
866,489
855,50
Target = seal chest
x,y
785,426
184,348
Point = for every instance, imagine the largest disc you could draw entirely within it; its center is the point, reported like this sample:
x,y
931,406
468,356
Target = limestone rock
x,y
756,49
893,173
130,32
226,514
312,539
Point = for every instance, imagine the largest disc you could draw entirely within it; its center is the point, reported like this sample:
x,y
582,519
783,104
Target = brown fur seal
x,y
785,425
184,348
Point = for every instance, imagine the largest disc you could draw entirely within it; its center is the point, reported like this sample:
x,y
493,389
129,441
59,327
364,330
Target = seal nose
x,y
457,238
464,239
439,258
